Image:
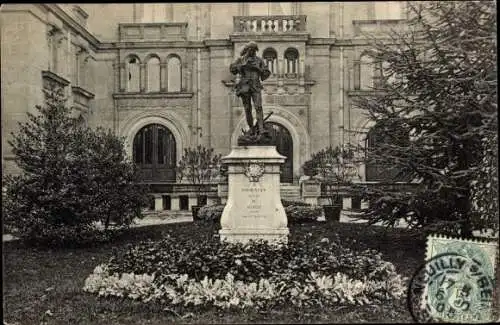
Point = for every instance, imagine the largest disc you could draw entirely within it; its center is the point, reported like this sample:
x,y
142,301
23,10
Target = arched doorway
x,y
284,145
154,152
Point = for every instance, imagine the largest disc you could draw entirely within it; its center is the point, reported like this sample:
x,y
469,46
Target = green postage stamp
x,y
457,282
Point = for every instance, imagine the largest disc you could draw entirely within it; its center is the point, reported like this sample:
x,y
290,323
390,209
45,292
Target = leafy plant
x,y
334,167
71,177
253,275
199,166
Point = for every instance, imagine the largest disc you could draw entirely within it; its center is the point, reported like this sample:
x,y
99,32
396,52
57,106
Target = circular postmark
x,y
451,287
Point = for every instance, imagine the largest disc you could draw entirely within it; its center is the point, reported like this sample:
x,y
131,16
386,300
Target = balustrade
x,y
269,24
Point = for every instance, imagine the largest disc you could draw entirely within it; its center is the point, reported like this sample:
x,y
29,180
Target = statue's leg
x,y
247,104
257,102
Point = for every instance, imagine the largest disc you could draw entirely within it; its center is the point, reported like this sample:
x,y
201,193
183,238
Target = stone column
x,y
192,200
116,74
142,78
253,209
158,202
163,77
346,203
222,192
123,77
174,203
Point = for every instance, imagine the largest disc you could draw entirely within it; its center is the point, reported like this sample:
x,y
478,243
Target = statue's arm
x,y
265,72
235,66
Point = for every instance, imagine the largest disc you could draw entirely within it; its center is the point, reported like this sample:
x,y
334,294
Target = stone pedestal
x,y
253,209
158,202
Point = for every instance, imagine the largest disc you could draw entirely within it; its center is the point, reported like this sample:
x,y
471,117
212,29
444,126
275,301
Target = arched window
x,y
174,74
387,74
153,73
132,71
271,59
154,152
367,73
291,60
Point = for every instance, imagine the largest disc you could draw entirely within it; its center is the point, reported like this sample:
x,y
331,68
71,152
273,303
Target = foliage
x,y
438,87
256,274
296,212
72,177
210,213
301,214
199,166
334,167
200,257
36,271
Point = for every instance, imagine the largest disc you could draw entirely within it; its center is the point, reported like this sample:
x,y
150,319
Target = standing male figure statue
x,y
252,70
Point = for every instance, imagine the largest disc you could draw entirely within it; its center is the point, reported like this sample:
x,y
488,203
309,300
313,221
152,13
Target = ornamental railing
x,y
270,24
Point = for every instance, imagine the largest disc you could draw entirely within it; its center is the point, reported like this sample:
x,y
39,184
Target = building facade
x,y
158,74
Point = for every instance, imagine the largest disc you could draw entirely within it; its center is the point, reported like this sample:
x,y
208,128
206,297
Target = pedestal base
x,y
253,209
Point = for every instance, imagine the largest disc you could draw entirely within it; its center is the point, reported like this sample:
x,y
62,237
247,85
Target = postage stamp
x,y
457,282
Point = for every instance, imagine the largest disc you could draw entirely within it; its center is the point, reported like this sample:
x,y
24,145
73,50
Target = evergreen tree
x,y
438,90
71,177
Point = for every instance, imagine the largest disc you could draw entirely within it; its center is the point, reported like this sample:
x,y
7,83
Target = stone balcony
x,y
153,32
282,24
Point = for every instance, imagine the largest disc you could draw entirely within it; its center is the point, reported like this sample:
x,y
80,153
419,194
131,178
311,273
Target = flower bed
x,y
207,272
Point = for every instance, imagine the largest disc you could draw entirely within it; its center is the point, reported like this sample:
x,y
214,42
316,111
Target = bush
x,y
296,212
200,257
72,177
205,272
303,214
210,213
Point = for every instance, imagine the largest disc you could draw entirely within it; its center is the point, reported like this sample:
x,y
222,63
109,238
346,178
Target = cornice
x,y
72,23
150,45
152,95
85,93
217,43
49,75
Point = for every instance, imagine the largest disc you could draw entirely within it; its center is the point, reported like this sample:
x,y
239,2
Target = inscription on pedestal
x,y
254,206
253,209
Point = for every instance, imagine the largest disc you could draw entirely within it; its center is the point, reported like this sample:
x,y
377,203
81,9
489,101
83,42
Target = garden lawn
x,y
42,285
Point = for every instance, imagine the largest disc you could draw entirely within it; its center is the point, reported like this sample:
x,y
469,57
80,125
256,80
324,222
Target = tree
x,y
334,167
71,177
199,166
437,84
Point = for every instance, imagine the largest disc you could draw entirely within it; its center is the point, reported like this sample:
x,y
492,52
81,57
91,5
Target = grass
x,y
45,286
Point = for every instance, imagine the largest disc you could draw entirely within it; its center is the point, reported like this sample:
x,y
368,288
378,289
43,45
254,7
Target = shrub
x,y
208,256
303,214
210,213
287,203
72,177
209,272
296,212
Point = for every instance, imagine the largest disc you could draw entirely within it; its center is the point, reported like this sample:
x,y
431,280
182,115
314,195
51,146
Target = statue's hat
x,y
248,46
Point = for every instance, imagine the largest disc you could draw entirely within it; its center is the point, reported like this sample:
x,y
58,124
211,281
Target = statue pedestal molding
x,y
253,209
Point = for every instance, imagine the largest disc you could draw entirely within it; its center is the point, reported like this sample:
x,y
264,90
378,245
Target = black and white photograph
x,y
249,162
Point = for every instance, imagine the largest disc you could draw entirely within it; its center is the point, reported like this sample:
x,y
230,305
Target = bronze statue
x,y
252,70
